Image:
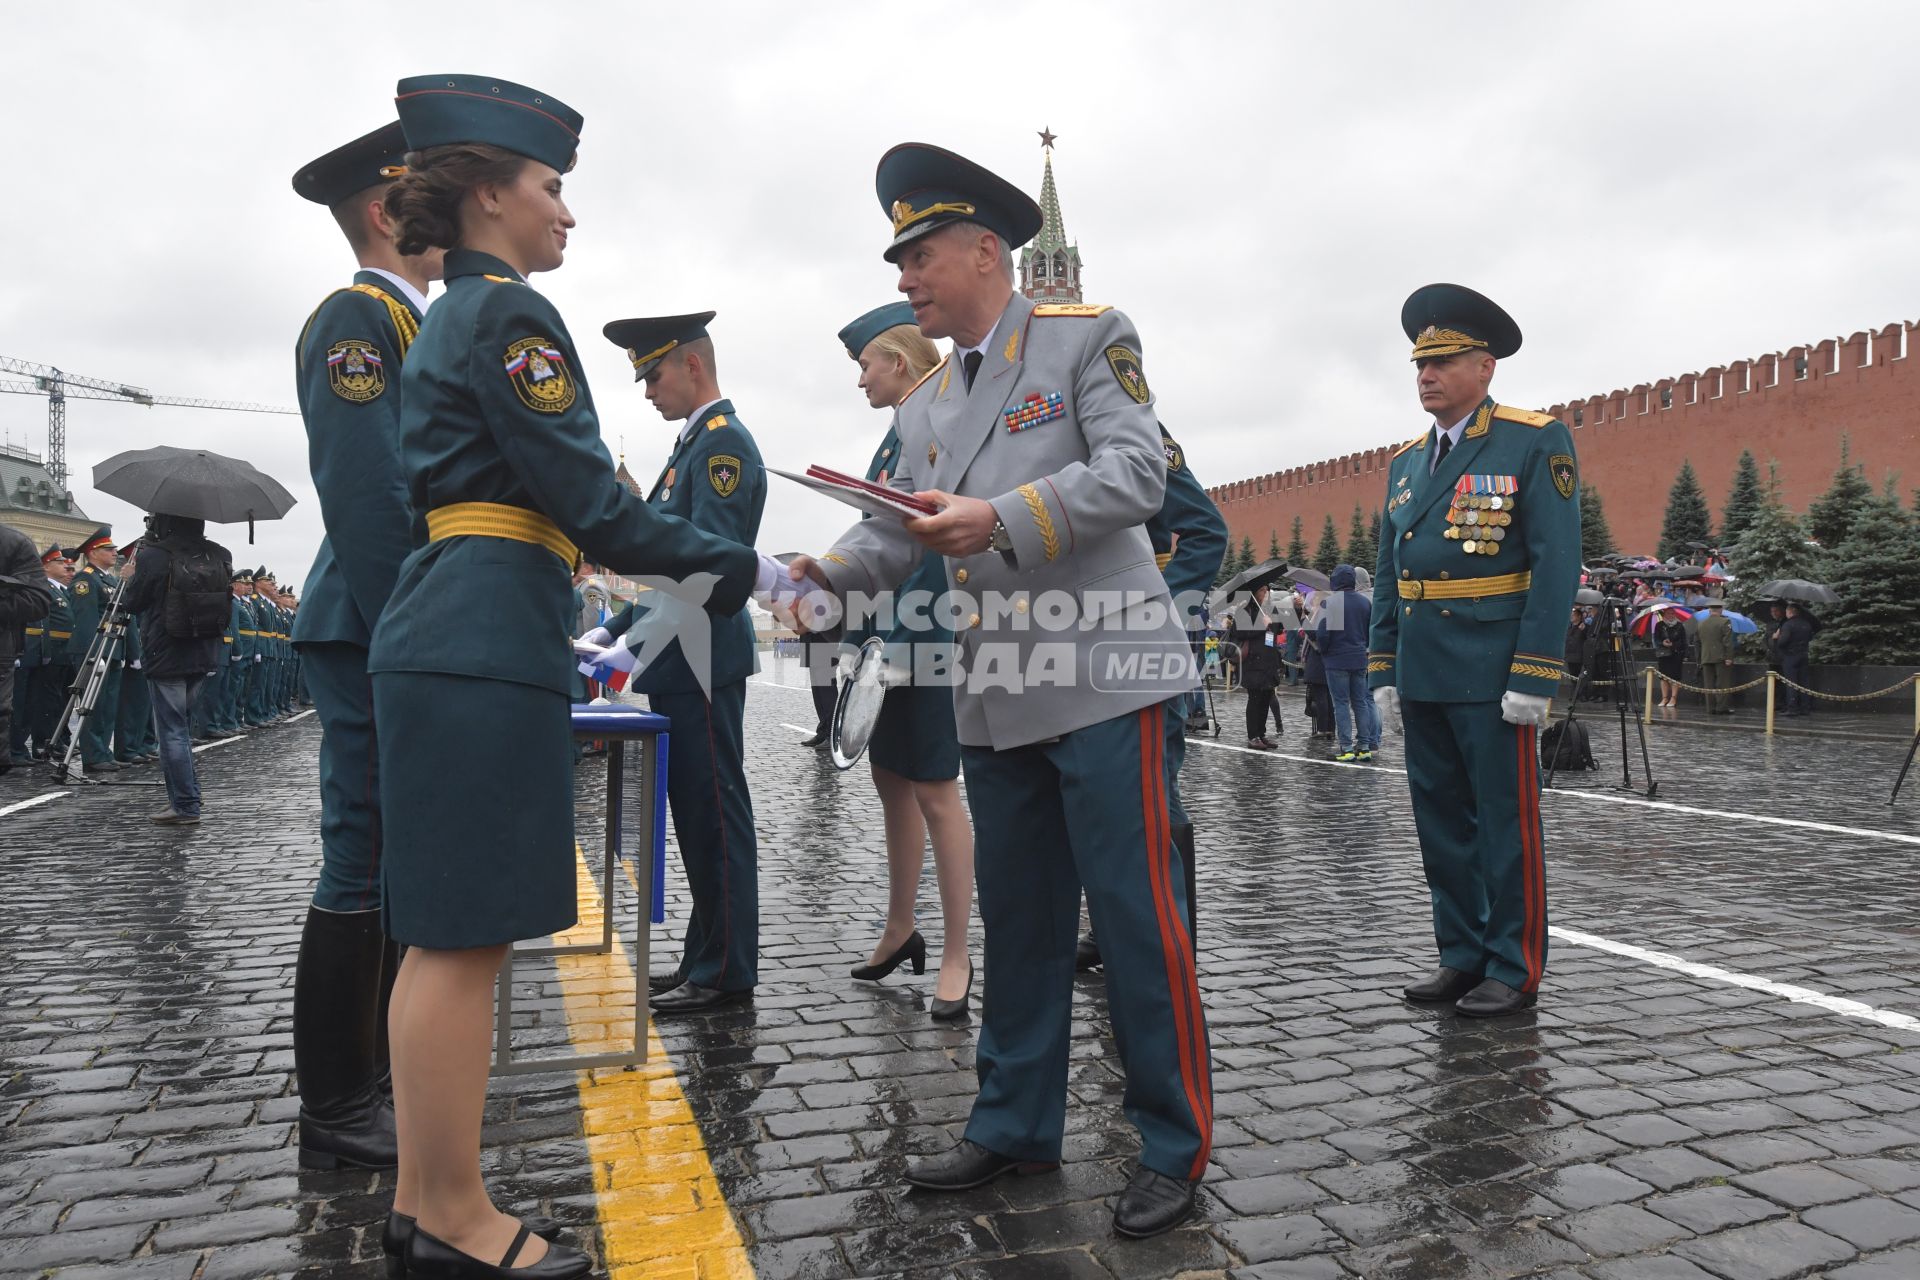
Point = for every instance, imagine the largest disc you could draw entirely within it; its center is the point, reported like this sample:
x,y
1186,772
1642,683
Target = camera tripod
x,y
84,693
1613,641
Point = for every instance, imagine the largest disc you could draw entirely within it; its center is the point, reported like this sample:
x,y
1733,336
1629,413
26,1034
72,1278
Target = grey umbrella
x,y
1311,578
193,482
1797,589
1246,581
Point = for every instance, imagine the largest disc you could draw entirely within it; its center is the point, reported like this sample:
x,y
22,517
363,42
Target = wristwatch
x,y
1000,540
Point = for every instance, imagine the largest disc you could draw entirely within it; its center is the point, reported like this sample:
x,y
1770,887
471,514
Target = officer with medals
x,y
347,364
914,753
1189,542
134,741
714,480
93,588
1479,560
1037,441
45,669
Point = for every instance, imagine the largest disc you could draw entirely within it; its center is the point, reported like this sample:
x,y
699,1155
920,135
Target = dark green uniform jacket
x,y
349,360
499,354
715,481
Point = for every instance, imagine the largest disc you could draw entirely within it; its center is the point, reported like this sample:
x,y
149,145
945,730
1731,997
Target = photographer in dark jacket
x,y
1790,646
25,598
1259,668
177,664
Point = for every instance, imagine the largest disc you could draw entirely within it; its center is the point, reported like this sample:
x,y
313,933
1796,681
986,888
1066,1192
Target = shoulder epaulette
x,y
1408,445
1507,413
923,378
1083,309
404,325
716,422
500,279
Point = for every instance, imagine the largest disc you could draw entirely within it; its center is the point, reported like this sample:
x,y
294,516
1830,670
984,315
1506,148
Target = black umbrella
x,y
1798,590
1248,580
193,482
1312,578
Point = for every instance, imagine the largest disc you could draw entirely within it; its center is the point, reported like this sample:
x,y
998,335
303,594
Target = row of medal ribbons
x,y
1482,512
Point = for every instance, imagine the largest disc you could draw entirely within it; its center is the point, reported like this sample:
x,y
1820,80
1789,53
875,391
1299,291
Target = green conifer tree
x,y
1297,542
1246,560
1775,546
1273,545
1596,537
1688,520
1743,500
1373,536
1876,573
1361,551
1830,516
1327,554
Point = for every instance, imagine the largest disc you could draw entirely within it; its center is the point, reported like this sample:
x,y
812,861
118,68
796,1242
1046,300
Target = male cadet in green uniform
x,y
248,639
1036,439
266,656
714,479
1189,542
133,737
347,367
239,656
45,669
1479,559
93,589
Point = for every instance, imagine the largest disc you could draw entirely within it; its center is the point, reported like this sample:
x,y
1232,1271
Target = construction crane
x,y
58,386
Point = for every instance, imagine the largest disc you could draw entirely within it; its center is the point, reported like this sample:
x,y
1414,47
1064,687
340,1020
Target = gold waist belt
x,y
58,635
1504,584
497,520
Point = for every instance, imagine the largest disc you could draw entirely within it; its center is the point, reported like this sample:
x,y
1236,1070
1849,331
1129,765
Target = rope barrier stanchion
x,y
1770,701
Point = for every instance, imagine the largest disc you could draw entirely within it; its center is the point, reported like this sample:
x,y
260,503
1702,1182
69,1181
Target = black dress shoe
x,y
102,766
1086,955
399,1230
953,1010
1445,985
1494,999
913,949
691,997
659,984
1153,1203
970,1165
429,1258
819,738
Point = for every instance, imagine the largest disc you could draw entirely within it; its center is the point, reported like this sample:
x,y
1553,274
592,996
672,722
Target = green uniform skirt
x,y
476,785
915,736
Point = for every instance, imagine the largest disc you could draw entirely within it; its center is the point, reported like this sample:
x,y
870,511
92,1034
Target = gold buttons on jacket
x,y
974,621
1446,613
1445,574
1406,573
959,575
1407,536
1019,606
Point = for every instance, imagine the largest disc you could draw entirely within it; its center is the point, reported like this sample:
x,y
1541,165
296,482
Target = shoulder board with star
x,y
1083,310
1507,413
923,379
717,421
1408,445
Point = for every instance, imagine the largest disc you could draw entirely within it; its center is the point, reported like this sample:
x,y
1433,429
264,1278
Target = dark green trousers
x,y
349,778
96,739
1086,810
133,726
713,824
1476,804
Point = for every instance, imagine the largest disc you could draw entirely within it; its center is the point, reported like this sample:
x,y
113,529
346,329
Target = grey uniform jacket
x,y
1073,484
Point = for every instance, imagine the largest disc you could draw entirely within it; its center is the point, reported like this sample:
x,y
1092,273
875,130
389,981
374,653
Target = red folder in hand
x,y
862,495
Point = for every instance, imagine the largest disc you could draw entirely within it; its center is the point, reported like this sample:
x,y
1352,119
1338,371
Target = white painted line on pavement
x,y
28,804
1786,991
796,728
1804,824
302,715
217,742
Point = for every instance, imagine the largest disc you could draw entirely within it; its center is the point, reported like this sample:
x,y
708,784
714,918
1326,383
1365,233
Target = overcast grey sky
x,y
1649,188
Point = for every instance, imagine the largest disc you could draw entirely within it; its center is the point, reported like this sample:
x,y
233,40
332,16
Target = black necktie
x,y
970,366
1440,454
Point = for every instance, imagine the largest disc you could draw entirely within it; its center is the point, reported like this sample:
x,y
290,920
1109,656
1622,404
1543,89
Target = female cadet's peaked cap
x,y
443,109
860,332
648,339
924,187
365,162
1446,319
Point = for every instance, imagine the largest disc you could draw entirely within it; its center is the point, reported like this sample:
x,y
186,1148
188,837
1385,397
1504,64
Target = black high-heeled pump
x,y
431,1258
953,1010
400,1228
914,949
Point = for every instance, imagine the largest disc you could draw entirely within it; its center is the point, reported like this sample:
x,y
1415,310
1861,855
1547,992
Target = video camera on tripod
x,y
1612,638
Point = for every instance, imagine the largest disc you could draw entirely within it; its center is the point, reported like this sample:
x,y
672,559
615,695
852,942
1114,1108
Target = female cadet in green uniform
x,y
915,750
470,661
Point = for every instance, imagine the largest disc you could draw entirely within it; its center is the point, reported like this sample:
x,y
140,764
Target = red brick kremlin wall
x,y
1791,406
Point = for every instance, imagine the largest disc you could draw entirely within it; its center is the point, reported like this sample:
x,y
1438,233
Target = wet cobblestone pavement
x,y
1722,1079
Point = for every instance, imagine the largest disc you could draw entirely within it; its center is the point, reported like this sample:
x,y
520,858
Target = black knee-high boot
x,y
345,1120
1183,841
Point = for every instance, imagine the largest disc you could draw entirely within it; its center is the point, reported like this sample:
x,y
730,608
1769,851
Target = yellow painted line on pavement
x,y
662,1214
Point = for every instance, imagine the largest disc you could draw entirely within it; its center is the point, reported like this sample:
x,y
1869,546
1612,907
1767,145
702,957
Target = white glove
x,y
1386,702
1524,708
775,589
619,657
600,637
